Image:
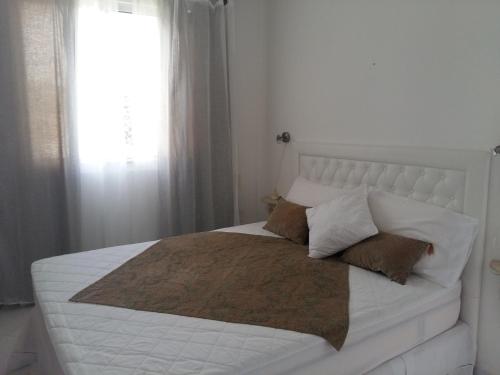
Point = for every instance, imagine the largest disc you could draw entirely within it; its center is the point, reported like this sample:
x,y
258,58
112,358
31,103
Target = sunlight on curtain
x,y
118,85
118,94
32,213
40,88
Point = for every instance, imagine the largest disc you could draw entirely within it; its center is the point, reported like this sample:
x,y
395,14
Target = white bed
x,y
94,339
392,327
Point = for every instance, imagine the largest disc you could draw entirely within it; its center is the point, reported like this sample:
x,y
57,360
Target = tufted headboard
x,y
440,187
455,179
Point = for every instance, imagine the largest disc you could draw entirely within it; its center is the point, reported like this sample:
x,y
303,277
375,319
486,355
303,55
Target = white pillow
x,y
340,223
452,234
310,194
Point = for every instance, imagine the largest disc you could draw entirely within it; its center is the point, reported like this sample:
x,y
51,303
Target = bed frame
x,y
455,179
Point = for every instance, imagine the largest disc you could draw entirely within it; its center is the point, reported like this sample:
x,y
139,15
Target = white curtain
x,y
33,215
152,116
114,127
199,181
117,121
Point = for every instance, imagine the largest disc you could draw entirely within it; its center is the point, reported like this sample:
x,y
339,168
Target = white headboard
x,y
454,179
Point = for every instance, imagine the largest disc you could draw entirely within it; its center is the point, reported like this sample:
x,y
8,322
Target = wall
x,y
392,72
248,76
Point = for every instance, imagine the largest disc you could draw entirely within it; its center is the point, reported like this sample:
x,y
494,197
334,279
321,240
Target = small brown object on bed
x,y
289,220
390,254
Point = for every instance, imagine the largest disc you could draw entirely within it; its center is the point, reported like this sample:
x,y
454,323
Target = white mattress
x,y
450,353
386,319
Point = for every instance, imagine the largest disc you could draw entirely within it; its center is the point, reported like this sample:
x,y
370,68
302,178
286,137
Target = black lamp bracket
x,y
283,137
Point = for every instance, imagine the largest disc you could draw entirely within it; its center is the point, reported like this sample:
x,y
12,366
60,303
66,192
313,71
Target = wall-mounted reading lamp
x,y
285,138
272,200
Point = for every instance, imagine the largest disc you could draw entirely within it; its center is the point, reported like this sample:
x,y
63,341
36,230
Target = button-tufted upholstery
x,y
440,187
456,179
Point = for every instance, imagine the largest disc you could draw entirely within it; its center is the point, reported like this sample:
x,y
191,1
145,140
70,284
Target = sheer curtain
x,y
199,181
114,127
152,120
33,220
117,121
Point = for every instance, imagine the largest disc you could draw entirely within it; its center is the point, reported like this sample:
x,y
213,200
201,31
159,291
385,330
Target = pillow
x,y
390,254
452,234
340,223
311,194
289,220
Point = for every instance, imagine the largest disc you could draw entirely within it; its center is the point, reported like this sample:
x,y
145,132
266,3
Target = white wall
x,y
393,72
390,72
248,76
416,72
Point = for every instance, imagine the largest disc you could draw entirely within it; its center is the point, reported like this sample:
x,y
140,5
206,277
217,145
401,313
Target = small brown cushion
x,y
390,254
289,220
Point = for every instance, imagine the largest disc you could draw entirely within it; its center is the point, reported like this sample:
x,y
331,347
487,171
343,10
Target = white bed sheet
x,y
386,319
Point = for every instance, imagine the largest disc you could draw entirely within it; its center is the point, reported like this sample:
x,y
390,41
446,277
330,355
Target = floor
x,y
15,359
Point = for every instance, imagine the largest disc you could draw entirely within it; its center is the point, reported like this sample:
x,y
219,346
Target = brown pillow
x,y
390,254
289,220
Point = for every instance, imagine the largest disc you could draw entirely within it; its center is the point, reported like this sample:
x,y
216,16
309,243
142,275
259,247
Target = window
x,y
118,81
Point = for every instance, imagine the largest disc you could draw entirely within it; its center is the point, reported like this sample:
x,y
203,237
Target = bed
x,y
420,328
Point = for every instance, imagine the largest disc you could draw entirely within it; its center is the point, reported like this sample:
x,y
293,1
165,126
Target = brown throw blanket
x,y
233,277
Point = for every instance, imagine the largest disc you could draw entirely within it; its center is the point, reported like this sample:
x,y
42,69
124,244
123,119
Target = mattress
x,y
449,353
386,319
